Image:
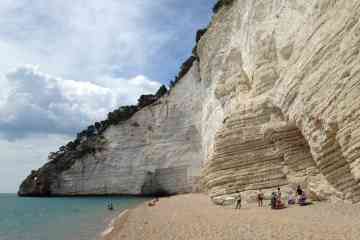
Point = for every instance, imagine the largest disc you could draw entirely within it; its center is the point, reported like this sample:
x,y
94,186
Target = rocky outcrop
x,y
270,97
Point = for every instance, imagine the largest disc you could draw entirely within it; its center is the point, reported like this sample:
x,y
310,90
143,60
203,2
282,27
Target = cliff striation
x,y
270,97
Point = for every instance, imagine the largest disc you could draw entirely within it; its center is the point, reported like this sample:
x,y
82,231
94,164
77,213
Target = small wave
x,y
111,225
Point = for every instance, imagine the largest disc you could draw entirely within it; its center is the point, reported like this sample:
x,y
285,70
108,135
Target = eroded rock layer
x,y
287,76
270,98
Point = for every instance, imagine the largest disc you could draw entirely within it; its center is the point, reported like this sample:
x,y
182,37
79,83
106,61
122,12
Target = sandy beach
x,y
193,216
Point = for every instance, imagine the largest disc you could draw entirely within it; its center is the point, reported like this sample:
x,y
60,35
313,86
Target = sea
x,y
58,218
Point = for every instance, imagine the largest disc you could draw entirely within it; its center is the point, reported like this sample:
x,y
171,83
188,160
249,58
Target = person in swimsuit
x,y
238,201
260,198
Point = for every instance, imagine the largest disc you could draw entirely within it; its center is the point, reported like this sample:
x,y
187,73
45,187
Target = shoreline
x,y
117,221
114,222
193,216
79,195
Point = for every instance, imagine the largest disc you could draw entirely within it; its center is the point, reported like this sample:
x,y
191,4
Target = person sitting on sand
x,y
238,201
279,203
302,199
291,198
260,198
152,203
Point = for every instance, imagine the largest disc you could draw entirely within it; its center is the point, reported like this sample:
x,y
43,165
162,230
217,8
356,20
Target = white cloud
x,y
38,102
80,39
20,156
84,39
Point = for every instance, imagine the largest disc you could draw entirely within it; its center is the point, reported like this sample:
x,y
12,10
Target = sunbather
x,y
302,199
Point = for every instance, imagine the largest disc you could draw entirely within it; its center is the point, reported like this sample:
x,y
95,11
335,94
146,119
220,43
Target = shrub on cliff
x,y
185,67
220,4
161,92
97,126
121,114
200,33
91,131
71,145
146,100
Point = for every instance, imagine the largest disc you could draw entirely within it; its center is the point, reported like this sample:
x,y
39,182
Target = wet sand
x,y
193,216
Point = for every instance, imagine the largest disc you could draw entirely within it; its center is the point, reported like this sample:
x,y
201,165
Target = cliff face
x,y
272,99
157,150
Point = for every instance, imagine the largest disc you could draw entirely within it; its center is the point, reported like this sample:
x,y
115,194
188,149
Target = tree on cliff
x,y
220,4
161,92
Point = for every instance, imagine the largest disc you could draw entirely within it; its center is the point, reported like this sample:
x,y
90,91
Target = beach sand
x,y
193,216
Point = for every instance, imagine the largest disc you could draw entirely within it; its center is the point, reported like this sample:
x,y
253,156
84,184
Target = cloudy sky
x,y
65,64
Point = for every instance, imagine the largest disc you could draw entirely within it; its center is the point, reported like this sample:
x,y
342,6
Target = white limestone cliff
x,y
273,99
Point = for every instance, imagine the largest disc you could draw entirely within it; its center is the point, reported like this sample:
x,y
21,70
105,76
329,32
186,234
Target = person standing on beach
x,y
238,201
279,193
273,200
279,203
260,198
299,192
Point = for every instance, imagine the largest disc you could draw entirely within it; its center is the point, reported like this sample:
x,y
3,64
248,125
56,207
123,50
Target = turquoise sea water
x,y
78,218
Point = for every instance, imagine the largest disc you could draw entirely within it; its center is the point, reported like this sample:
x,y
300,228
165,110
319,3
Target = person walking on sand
x,y
238,201
260,198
